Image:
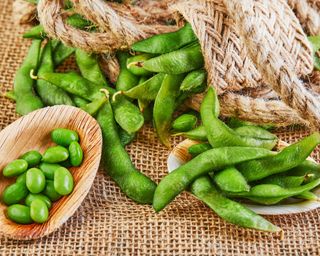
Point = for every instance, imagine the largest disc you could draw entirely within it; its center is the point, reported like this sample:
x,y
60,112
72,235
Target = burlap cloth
x,y
108,223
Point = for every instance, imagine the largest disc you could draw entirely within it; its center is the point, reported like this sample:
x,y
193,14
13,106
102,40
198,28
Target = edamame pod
x,y
166,42
135,64
126,80
61,53
218,133
306,167
36,32
78,21
75,153
35,180
116,160
55,154
287,159
126,138
31,197
50,192
256,132
39,212
19,214
227,209
26,100
197,149
93,107
231,180
49,93
194,81
284,181
89,67
15,168
184,122
64,137
32,157
80,102
177,62
164,106
14,193
198,133
217,158
49,169
63,181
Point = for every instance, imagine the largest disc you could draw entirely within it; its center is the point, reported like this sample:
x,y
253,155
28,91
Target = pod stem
x,y
115,95
32,75
106,92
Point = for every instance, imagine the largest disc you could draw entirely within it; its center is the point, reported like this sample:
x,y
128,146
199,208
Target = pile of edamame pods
x,y
234,161
41,179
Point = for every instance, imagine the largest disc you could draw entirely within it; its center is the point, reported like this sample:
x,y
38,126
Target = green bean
x,y
35,180
14,193
184,122
61,53
36,32
197,149
19,213
219,134
39,212
135,64
76,153
26,99
63,181
287,159
89,67
48,170
166,42
78,21
217,158
227,209
126,80
147,90
194,81
164,106
117,162
177,62
50,192
32,157
231,180
55,154
22,178
48,92
31,197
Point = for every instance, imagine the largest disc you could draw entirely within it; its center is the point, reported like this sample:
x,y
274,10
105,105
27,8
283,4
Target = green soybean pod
x,y
75,153
32,157
177,62
31,197
61,53
285,160
55,154
147,90
36,32
126,80
135,64
26,100
78,21
308,195
22,178
49,93
213,159
39,212
194,80
125,137
256,132
197,149
10,95
79,101
64,137
48,170
305,168
164,106
50,192
227,209
35,180
198,133
184,122
15,168
14,193
63,181
283,181
19,214
231,180
167,42
93,107
89,67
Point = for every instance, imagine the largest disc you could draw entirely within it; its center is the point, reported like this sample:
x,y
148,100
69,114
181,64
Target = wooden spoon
x,y
32,132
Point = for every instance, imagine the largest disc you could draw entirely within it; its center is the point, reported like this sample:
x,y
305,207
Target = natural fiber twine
x,y
110,224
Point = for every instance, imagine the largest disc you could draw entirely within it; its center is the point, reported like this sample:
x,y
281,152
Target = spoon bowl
x,y
179,155
32,132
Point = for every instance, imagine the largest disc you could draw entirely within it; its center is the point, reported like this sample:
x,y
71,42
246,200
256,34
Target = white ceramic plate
x,y
179,155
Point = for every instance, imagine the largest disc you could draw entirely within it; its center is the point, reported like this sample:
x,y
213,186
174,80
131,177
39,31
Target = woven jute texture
x,y
108,223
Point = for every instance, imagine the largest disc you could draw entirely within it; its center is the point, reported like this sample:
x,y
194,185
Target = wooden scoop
x,y
32,132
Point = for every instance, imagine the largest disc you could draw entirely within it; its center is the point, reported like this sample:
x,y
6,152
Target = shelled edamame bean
x,y
41,180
